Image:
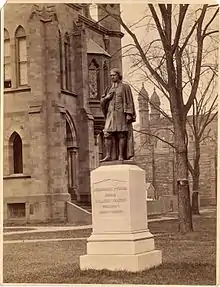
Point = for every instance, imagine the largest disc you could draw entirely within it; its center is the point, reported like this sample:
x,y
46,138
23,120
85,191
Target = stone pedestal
x,y
120,239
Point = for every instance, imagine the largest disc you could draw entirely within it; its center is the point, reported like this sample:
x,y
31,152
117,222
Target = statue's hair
x,y
117,71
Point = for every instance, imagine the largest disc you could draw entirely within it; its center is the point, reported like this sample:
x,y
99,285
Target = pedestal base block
x,y
120,239
131,263
126,244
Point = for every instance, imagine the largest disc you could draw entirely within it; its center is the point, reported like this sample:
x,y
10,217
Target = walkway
x,y
40,229
44,240
37,229
208,212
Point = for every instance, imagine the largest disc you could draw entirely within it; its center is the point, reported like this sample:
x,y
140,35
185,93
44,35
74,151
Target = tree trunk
x,y
195,177
196,168
184,206
179,122
216,175
195,202
195,194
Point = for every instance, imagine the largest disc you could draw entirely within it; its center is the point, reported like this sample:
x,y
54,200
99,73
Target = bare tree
x,y
204,112
189,28
204,107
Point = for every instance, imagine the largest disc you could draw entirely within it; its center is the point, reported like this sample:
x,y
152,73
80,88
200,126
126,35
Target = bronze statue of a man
x,y
119,111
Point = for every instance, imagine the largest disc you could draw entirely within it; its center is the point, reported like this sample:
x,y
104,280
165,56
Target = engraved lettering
x,y
110,200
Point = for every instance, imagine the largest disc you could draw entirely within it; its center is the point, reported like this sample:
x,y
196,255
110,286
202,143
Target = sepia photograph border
x,y
1,142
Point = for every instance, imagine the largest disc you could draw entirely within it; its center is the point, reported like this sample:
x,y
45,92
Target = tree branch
x,y
182,14
198,61
179,75
210,33
159,27
162,112
188,36
210,21
208,119
155,136
159,87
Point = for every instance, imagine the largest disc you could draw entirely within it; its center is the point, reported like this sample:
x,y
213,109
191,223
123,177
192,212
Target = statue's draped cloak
x,y
115,111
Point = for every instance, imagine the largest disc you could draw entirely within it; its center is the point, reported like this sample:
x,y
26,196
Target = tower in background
x,y
154,106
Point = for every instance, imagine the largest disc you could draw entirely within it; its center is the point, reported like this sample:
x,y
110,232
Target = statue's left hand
x,y
128,118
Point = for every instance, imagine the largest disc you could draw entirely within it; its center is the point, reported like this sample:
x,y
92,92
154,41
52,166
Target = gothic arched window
x,y
61,60
16,153
21,56
7,60
93,80
67,65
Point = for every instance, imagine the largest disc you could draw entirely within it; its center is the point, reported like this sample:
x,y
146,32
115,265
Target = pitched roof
x,y
94,48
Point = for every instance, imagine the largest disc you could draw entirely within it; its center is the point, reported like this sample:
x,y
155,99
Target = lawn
x,y
187,260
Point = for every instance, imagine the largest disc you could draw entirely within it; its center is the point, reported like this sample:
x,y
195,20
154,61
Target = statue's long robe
x,y
115,111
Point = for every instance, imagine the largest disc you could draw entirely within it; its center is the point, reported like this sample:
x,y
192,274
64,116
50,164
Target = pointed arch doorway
x,y
72,160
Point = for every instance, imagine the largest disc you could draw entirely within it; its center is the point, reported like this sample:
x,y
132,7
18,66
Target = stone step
x,y
84,206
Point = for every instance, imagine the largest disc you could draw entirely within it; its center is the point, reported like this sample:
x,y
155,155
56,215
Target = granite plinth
x,y
120,239
130,263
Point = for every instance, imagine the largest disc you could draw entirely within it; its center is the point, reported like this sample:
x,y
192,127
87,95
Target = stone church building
x,y
157,158
56,65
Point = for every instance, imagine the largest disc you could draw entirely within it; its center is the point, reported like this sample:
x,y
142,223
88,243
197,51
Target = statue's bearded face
x,y
114,77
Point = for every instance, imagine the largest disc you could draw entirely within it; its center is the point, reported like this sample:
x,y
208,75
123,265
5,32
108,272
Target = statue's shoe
x,y
107,158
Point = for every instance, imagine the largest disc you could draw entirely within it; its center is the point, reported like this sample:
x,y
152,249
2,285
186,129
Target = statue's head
x,y
116,75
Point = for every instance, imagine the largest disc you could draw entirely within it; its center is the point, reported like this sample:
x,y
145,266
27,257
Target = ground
x,y
187,259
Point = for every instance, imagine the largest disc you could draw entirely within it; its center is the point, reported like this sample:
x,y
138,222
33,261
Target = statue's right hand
x,y
103,97
109,96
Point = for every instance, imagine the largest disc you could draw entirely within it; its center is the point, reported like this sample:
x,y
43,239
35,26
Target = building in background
x,y
158,158
56,65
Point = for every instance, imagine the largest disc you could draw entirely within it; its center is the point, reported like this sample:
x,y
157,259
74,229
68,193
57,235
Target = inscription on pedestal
x,y
109,197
